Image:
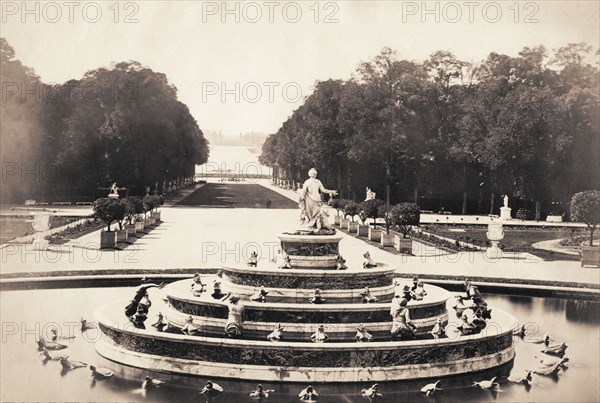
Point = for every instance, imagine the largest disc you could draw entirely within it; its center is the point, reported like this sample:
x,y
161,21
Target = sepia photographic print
x,y
310,200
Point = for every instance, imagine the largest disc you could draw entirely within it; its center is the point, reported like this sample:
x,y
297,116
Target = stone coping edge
x,y
300,374
120,278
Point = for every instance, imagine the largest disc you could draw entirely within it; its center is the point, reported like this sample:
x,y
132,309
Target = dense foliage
x,y
108,210
405,215
585,208
122,125
451,135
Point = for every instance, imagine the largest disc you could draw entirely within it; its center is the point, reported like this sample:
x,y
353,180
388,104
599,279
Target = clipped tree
x,y
126,212
339,204
370,209
585,208
386,212
107,210
351,209
138,206
404,216
149,204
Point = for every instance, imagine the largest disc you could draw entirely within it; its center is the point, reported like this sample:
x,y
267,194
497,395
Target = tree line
x,y
447,134
123,124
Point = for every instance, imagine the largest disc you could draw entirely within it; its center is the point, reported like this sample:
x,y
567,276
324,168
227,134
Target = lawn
x,y
515,240
237,195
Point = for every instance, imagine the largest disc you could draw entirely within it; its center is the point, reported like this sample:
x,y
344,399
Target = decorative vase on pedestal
x,y
495,234
41,223
505,211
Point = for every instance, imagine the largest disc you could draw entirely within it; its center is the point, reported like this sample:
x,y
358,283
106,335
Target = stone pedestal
x,y
41,223
311,251
505,213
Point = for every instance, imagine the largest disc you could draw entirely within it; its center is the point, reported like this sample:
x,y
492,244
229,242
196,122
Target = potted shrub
x,y
159,201
350,210
585,208
363,227
129,210
405,215
106,210
371,210
149,205
344,220
387,239
138,207
120,218
337,205
124,218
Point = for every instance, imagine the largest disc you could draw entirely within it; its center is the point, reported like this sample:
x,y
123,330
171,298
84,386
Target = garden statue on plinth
x,y
370,195
495,234
505,210
313,216
114,194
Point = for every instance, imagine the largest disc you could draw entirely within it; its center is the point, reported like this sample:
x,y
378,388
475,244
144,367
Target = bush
x,y
138,205
149,203
523,214
339,204
385,212
107,210
128,212
370,209
585,208
351,209
404,216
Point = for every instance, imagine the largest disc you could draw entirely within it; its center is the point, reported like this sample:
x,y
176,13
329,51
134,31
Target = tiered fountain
x,y
311,262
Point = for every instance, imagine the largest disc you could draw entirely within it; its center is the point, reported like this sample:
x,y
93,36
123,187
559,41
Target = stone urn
x,y
495,234
41,223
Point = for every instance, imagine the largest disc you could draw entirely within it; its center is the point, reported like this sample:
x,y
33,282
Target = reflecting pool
x,y
24,377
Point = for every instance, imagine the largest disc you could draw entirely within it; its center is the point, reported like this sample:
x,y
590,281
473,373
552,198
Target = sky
x,y
245,66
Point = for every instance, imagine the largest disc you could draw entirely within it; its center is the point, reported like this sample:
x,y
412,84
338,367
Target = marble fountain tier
x,y
295,358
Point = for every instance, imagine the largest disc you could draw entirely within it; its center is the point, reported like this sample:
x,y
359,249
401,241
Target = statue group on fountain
x,y
313,212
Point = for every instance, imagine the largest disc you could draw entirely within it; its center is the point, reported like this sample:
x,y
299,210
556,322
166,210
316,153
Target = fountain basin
x,y
304,361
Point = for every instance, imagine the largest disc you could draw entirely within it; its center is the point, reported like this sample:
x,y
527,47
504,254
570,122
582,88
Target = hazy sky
x,y
277,48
